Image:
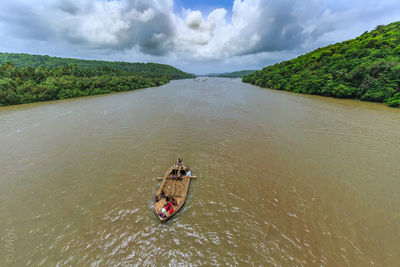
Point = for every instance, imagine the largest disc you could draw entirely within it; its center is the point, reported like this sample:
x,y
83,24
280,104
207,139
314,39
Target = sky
x,y
196,36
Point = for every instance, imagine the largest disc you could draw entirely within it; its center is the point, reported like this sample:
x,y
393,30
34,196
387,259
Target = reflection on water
x,y
283,179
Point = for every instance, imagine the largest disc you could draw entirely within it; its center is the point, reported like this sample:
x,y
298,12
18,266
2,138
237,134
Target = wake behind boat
x,y
171,195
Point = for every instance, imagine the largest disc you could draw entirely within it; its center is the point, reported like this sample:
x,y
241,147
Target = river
x,y
282,179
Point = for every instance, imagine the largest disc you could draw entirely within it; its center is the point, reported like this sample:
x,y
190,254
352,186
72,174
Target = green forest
x,y
365,68
235,74
154,69
27,78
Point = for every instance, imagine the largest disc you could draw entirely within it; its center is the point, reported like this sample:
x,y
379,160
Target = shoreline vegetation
x,y
32,78
235,74
366,68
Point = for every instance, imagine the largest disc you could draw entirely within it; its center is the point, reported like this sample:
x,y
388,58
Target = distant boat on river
x,y
171,195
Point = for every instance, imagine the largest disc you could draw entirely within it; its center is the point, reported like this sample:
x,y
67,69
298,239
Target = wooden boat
x,y
171,195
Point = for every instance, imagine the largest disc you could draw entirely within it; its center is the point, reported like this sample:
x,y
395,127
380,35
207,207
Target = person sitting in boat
x,y
168,206
188,173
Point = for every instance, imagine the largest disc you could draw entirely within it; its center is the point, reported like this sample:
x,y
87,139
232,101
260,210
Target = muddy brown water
x,y
283,179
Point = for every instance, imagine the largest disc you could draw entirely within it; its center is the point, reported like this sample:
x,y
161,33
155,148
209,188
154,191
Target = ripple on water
x,y
283,179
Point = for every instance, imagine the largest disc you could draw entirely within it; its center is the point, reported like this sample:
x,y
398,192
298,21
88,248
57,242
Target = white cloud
x,y
256,32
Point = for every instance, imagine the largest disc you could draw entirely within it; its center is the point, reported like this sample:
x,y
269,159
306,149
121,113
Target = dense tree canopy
x,y
28,82
235,74
365,68
20,85
154,69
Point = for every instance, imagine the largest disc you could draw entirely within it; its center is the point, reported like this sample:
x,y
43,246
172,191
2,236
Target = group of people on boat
x,y
177,174
171,202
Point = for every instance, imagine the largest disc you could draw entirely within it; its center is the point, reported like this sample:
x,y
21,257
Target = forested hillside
x,y
235,74
365,68
154,69
42,78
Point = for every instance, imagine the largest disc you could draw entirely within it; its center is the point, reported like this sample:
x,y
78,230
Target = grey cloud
x,y
22,21
151,34
68,7
279,25
287,25
66,21
149,29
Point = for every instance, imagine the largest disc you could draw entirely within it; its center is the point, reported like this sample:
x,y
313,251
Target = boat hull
x,y
172,193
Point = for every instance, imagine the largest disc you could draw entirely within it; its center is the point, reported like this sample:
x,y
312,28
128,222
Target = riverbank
x,y
27,85
32,78
366,68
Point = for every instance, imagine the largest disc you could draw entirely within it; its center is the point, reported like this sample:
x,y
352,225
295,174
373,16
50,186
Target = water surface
x,y
283,179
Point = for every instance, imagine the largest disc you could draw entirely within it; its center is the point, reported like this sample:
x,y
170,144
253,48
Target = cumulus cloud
x,y
147,25
263,29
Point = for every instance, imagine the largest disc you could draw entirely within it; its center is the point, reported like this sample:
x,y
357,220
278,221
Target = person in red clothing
x,y
171,211
168,206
